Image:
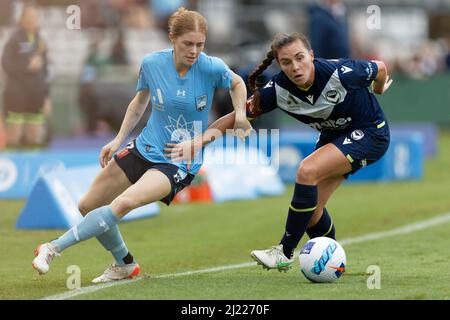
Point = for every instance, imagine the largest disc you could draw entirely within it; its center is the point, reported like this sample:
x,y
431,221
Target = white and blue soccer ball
x,y
322,259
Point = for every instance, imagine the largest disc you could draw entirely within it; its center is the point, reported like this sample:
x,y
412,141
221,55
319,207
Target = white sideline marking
x,y
368,237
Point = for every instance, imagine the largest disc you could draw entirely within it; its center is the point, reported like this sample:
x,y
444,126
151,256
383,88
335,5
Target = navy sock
x,y
128,258
323,228
302,207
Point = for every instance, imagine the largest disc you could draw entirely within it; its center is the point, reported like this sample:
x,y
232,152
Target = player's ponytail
x,y
258,71
280,40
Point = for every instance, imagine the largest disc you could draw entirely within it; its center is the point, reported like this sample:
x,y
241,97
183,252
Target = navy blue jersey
x,y
337,101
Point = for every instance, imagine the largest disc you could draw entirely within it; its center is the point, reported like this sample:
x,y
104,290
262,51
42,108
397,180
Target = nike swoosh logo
x,y
283,264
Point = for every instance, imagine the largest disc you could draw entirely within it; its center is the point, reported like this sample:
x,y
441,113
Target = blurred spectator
x,y
86,95
2,134
136,14
328,30
447,53
428,60
6,12
98,14
25,97
163,9
101,102
118,51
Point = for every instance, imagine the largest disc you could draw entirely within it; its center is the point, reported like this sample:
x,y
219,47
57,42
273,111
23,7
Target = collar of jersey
x,y
172,62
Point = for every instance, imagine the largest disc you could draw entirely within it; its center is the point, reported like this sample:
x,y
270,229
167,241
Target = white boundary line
x,y
410,228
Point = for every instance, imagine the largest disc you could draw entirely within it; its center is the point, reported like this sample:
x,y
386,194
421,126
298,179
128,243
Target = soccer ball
x,y
322,259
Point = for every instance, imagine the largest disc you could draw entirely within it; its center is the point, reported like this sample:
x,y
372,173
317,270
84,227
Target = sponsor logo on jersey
x,y
181,130
331,124
201,102
181,93
310,98
158,101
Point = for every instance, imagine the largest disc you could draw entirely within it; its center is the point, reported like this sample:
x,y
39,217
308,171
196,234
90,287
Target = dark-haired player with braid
x,y
332,97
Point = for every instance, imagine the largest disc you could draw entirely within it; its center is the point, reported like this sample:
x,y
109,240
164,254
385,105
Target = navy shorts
x,y
361,146
135,165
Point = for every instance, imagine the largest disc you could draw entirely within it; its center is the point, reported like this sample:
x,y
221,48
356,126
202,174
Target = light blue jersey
x,y
180,106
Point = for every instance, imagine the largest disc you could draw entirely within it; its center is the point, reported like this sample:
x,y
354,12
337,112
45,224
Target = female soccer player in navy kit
x,y
180,84
332,97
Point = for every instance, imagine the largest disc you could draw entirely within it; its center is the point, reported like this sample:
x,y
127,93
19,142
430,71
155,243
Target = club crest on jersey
x,y
333,96
201,102
357,135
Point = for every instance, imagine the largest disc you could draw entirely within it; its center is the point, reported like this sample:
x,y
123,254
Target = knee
x,y
83,206
307,173
122,205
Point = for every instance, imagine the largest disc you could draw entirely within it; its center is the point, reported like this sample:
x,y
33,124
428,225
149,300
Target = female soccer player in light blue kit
x,y
179,83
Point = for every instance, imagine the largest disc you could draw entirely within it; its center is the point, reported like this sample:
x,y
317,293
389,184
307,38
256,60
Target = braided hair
x,y
280,40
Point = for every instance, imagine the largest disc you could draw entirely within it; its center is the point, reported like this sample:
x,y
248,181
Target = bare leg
x,y
325,189
151,187
109,183
325,163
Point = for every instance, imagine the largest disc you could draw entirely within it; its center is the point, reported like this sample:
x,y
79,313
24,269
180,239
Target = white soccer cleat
x,y
44,256
273,258
115,273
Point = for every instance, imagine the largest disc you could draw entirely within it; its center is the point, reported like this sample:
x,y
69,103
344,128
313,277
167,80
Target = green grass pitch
x,y
200,236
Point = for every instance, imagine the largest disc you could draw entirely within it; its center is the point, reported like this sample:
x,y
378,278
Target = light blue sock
x,y
112,241
95,223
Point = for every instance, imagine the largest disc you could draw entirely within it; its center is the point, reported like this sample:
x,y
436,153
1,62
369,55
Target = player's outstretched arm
x,y
382,82
134,112
186,150
238,93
